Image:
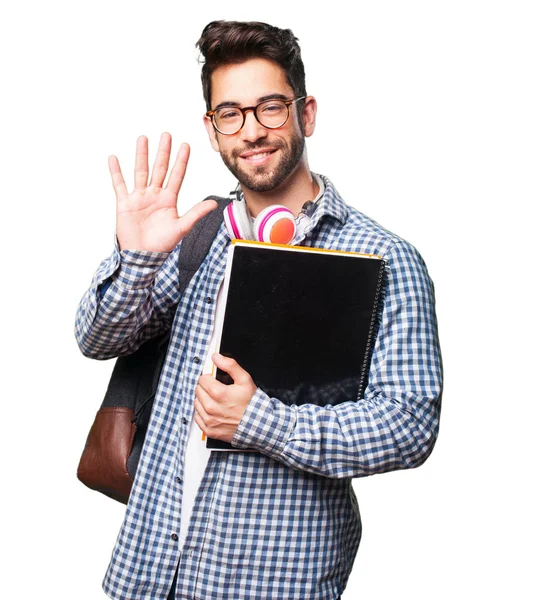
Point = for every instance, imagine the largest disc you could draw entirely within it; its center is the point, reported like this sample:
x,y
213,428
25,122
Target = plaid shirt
x,y
283,522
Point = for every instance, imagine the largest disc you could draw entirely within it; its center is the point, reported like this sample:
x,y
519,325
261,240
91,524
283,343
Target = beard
x,y
266,178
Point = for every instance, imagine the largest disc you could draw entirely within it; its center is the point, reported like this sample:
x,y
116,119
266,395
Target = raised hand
x,y
147,219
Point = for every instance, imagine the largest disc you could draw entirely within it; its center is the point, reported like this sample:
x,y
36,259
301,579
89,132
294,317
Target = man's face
x,y
261,159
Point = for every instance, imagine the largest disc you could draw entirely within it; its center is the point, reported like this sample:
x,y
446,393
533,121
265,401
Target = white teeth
x,y
258,156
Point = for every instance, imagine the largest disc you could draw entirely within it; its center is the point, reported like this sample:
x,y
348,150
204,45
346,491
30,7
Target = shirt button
x,y
190,553
209,300
178,480
174,537
184,420
196,359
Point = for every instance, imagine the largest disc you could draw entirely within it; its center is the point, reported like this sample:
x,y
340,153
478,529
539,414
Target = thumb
x,y
192,216
230,366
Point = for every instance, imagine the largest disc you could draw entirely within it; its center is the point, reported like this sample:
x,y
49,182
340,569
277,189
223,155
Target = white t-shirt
x,y
196,450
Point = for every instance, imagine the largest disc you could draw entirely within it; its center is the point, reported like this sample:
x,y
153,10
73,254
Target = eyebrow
x,y
259,100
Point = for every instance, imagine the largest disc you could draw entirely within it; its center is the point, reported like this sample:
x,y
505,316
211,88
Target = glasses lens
x,y
272,113
228,119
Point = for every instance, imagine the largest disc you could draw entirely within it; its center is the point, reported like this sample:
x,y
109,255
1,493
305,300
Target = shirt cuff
x,y
266,425
137,268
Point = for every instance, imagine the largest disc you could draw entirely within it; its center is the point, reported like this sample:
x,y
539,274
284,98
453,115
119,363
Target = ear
x,y
211,133
309,115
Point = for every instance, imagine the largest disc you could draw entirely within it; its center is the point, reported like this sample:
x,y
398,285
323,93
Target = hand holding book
x,y
220,407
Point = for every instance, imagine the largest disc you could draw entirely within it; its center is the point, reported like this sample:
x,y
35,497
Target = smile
x,y
258,158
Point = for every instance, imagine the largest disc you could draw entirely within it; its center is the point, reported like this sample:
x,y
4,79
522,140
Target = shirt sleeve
x,y
395,425
132,298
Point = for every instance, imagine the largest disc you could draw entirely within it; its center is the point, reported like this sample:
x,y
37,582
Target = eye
x,y
272,107
227,114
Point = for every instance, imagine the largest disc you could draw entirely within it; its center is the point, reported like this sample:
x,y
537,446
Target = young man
x,y
280,522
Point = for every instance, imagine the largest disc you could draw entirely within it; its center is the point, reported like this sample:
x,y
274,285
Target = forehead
x,y
246,82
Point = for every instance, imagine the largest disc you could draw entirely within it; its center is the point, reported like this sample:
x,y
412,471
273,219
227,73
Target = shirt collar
x,y
330,204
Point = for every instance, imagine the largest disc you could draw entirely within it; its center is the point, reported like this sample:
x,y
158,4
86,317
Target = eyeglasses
x,y
271,114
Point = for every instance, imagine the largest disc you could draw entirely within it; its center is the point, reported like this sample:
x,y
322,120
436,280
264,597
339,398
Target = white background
x,y
432,120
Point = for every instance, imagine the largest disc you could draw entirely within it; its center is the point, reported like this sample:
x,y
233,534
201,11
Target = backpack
x,y
113,447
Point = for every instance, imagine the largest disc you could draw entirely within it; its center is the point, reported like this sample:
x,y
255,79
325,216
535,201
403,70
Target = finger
x,y
118,182
215,389
191,217
202,400
141,163
230,366
199,421
161,163
179,169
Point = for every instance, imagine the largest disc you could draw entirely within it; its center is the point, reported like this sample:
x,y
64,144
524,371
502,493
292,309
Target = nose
x,y
252,129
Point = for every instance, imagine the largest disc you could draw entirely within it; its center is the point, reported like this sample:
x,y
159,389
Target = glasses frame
x,y
211,113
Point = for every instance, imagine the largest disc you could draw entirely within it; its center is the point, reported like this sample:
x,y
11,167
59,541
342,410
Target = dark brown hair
x,y
229,42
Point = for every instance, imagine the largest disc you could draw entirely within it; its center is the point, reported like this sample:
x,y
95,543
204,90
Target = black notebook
x,y
301,321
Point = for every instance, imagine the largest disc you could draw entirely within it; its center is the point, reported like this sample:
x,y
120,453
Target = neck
x,y
297,189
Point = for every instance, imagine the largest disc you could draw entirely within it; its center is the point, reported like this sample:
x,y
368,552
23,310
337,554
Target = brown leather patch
x,y
103,463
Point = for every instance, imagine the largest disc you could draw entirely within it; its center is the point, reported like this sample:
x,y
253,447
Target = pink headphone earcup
x,y
275,224
236,218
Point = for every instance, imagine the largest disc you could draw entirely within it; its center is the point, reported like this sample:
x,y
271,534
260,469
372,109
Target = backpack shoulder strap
x,y
196,244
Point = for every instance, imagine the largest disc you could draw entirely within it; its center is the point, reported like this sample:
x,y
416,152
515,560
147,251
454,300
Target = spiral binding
x,y
372,333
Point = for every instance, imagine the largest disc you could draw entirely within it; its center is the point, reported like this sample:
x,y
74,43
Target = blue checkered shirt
x,y
280,523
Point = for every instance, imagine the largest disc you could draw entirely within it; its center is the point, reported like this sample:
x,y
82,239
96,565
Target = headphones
x,y
275,224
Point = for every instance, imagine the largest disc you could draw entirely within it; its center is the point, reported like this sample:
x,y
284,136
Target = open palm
x,y
147,219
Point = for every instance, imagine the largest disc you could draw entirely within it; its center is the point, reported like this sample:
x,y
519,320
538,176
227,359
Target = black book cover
x,y
301,321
